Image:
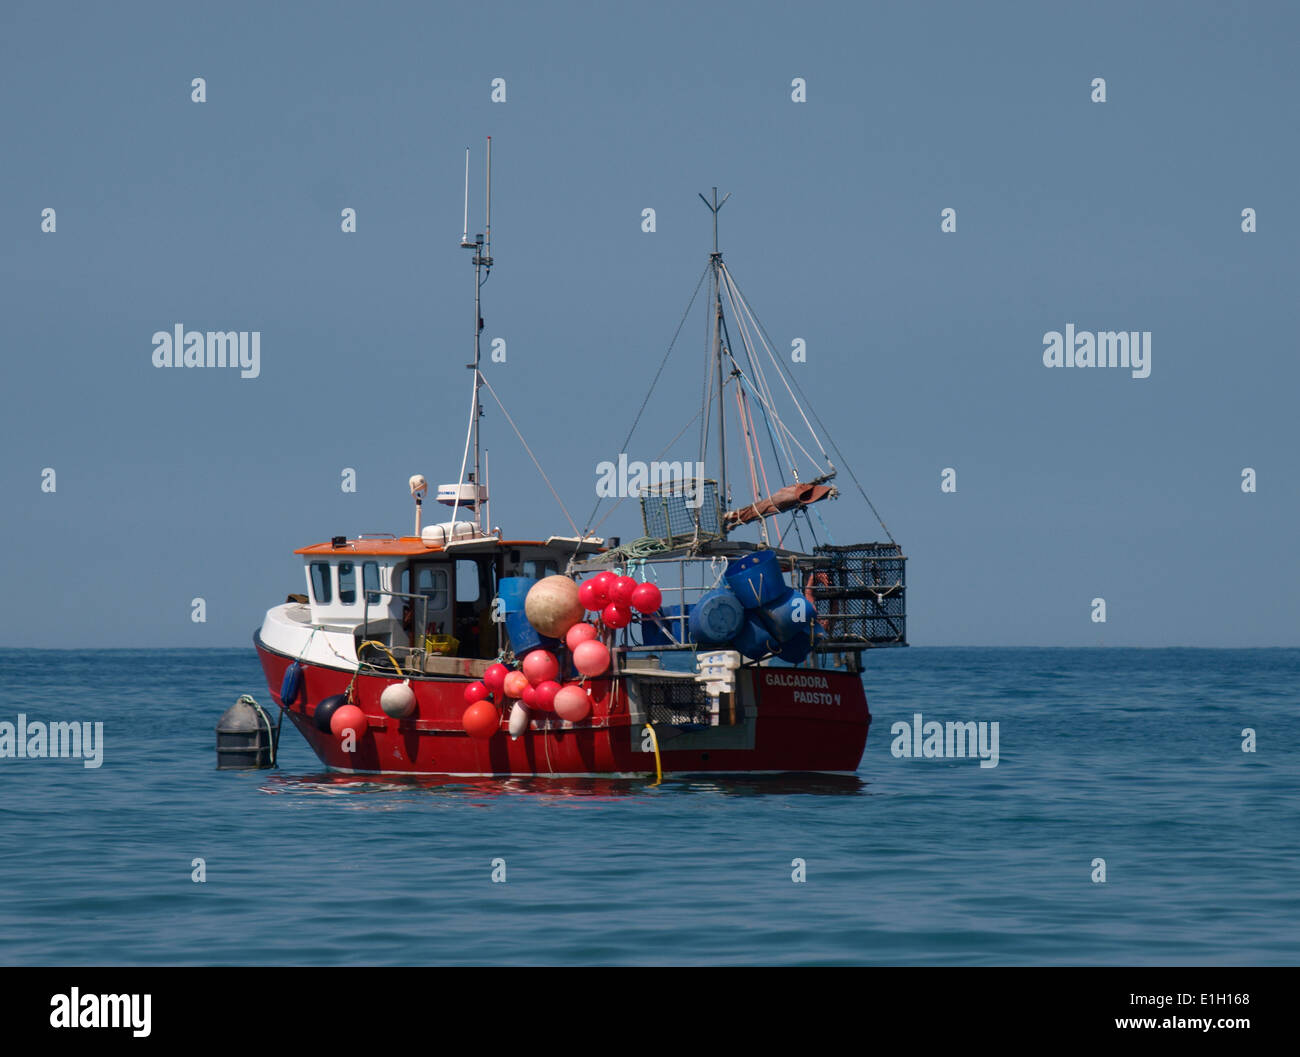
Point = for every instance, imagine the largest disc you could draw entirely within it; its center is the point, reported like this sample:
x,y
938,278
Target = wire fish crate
x,y
860,592
676,703
682,510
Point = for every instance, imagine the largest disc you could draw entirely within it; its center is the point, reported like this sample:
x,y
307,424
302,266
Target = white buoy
x,y
518,720
398,700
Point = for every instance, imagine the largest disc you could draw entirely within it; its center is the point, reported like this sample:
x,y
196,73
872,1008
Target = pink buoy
x,y
544,695
540,665
346,718
647,598
591,658
572,703
481,720
495,677
476,691
516,684
579,633
616,616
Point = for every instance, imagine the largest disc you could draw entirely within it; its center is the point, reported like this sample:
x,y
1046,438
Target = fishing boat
x,y
463,650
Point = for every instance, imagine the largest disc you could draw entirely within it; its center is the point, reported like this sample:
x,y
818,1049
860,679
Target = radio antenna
x,y
465,243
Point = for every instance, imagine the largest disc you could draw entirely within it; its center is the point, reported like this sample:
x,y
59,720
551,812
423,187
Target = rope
x,y
248,699
387,651
636,551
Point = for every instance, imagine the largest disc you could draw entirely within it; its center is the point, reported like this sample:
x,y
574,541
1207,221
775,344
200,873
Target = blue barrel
x,y
756,579
716,617
796,650
754,640
652,635
512,590
790,617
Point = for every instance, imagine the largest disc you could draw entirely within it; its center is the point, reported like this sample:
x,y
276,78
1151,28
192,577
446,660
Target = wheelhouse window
x,y
468,589
320,583
370,580
537,569
347,583
432,583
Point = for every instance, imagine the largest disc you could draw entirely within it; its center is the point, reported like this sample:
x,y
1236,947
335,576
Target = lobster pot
x,y
682,510
675,702
860,593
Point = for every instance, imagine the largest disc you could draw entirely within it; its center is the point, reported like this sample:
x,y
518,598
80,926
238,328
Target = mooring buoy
x,y
246,740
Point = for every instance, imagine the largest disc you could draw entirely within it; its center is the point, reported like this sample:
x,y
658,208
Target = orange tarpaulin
x,y
787,498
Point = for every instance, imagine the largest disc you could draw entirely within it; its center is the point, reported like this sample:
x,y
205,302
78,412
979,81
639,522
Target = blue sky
x,y
924,348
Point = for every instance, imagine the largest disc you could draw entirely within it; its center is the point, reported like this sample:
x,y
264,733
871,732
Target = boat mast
x,y
715,260
482,265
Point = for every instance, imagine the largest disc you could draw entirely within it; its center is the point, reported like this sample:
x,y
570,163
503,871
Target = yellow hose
x,y
654,740
372,642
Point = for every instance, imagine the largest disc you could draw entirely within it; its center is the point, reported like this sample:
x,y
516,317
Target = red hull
x,y
796,720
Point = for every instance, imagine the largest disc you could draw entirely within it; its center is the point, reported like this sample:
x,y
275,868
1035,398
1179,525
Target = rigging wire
x,y
767,424
655,381
781,373
567,515
835,447
622,499
764,391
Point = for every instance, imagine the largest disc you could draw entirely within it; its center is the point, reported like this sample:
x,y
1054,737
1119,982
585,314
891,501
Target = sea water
x,y
1143,808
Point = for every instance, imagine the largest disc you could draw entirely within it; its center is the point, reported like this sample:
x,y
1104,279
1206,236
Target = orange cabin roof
x,y
407,546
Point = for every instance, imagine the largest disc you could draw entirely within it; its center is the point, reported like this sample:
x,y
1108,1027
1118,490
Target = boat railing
x,y
411,657
856,596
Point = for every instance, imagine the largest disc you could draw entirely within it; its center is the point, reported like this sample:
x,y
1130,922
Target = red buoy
x,y
346,718
481,719
647,598
616,616
495,677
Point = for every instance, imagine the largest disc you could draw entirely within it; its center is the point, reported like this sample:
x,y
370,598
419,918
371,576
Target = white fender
x,y
398,699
